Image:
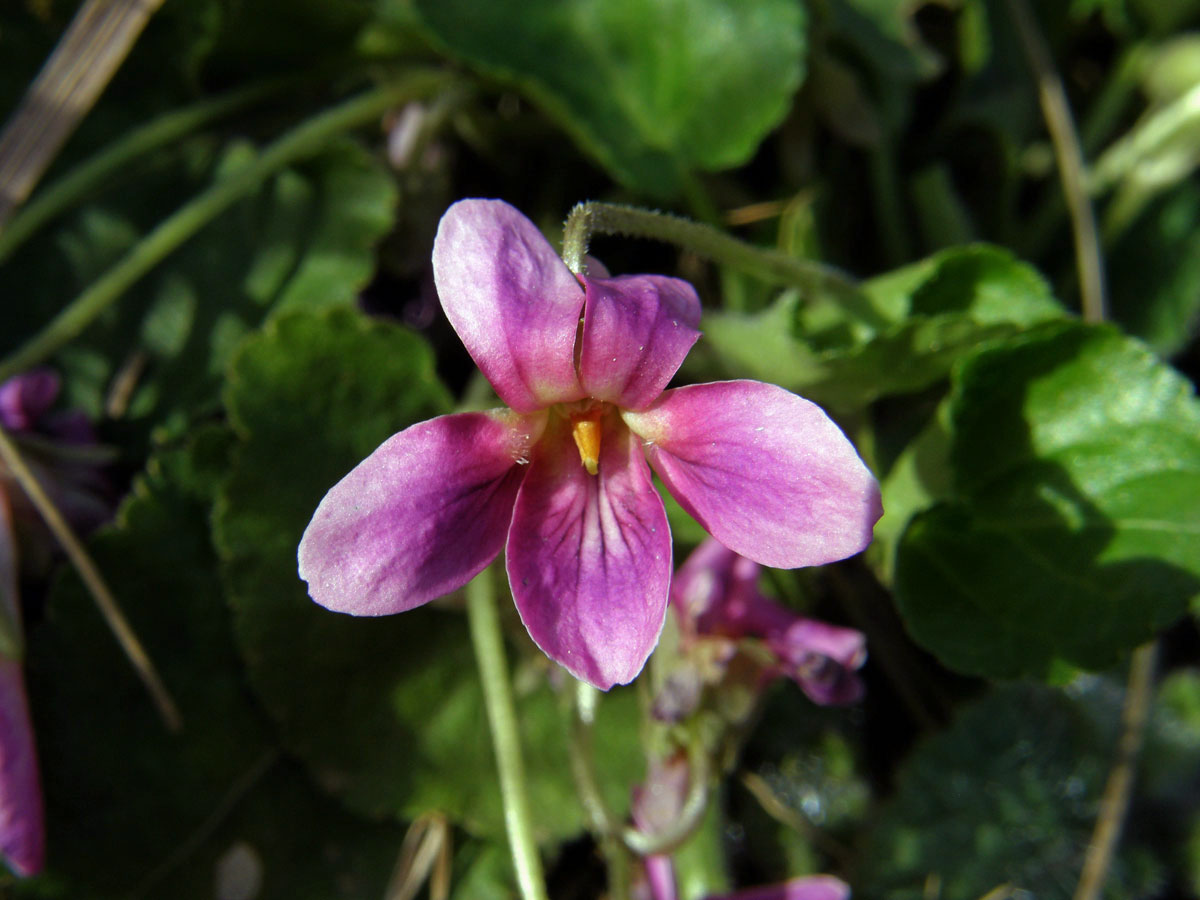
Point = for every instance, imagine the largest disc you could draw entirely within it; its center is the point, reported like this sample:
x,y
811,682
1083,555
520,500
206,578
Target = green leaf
x,y
386,712
651,89
918,479
131,807
939,309
1006,796
1073,532
306,240
882,38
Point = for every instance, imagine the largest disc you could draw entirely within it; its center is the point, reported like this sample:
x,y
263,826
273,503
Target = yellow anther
x,y
586,432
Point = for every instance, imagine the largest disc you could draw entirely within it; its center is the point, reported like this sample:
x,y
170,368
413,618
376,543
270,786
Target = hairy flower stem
x,y
506,739
763,263
305,140
93,581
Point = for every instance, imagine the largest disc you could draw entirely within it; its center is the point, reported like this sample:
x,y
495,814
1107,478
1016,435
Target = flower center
x,y
585,429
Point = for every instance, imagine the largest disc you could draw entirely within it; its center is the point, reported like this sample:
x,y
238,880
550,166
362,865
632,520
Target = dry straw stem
x,y
87,55
90,575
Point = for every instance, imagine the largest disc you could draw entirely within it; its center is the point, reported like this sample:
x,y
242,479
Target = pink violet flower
x,y
562,477
717,599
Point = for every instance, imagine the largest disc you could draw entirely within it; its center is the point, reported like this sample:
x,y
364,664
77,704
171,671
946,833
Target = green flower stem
x,y
768,265
506,739
303,141
85,178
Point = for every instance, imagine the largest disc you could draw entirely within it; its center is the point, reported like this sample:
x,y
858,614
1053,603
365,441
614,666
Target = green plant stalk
x,y
488,641
303,141
763,263
1056,111
1097,127
1152,133
85,178
889,204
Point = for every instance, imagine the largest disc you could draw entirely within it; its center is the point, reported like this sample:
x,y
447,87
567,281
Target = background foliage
x,y
1041,474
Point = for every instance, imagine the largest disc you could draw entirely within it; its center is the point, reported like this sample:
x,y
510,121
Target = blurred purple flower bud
x,y
24,399
716,596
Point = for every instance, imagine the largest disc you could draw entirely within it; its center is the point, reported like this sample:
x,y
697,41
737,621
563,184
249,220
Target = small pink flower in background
x,y
60,449
562,477
716,597
26,403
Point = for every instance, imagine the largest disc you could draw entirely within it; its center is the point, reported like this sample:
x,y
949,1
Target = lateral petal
x,y
513,302
419,517
589,556
636,331
766,472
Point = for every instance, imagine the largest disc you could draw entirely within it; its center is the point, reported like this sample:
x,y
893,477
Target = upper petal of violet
x,y
419,517
636,331
589,556
766,472
513,302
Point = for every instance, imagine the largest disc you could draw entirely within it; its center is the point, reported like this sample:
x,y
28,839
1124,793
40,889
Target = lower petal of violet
x,y
419,517
589,556
767,473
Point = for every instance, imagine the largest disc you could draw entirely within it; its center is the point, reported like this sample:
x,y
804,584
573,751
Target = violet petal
x,y
636,331
513,302
589,556
419,517
766,472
